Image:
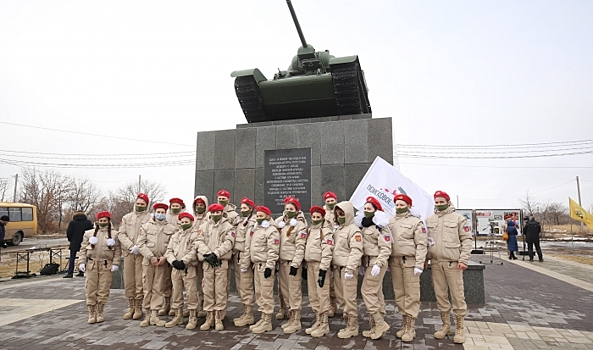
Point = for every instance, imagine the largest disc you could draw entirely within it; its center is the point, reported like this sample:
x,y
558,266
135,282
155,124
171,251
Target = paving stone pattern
x,y
524,310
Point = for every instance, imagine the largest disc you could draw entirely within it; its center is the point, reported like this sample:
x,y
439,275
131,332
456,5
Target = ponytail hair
x,y
97,227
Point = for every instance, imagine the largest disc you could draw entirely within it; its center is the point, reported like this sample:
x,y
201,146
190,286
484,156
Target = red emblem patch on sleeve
x,y
303,234
466,228
330,242
358,238
387,238
233,233
251,233
276,241
423,229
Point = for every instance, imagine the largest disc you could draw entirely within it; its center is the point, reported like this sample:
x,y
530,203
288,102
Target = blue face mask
x,y
160,216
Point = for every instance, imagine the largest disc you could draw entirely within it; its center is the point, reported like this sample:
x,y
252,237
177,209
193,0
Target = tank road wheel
x,y
250,98
349,89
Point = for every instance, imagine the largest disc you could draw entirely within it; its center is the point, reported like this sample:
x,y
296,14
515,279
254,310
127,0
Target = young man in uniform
x,y
449,257
331,199
262,248
200,215
129,230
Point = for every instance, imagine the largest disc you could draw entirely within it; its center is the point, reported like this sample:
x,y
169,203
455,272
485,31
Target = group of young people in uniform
x,y
170,251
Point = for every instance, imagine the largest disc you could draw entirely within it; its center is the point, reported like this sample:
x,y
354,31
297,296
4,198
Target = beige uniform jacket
x,y
329,218
347,241
452,236
231,214
408,237
293,238
172,218
181,247
101,251
200,218
262,246
320,246
154,239
242,230
129,229
376,244
215,237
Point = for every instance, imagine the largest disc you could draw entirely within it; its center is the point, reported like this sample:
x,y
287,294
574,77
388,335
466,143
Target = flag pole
x,y
579,192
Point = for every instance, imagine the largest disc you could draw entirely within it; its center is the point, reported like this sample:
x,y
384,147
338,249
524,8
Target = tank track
x,y
348,89
250,99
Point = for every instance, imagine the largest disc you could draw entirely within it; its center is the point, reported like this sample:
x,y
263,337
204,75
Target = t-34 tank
x,y
316,84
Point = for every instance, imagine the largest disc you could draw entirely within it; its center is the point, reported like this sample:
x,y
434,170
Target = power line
x,y
102,166
105,154
95,135
541,144
498,152
515,197
412,155
503,167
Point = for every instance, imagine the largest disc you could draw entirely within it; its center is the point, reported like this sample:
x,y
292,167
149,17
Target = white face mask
x,y
160,216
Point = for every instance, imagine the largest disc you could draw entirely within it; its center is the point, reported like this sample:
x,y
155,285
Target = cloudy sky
x,y
148,75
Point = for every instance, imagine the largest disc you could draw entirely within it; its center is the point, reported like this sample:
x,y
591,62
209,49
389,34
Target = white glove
x,y
243,270
93,240
134,250
375,271
110,242
114,268
348,275
417,271
81,268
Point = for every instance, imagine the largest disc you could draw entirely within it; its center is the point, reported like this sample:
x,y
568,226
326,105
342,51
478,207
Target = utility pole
x,y
457,201
579,192
139,183
16,181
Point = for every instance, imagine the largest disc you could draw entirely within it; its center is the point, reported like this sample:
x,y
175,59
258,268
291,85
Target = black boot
x,y
80,274
68,276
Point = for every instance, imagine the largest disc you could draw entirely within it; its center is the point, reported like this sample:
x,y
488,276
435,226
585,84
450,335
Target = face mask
x,y
140,209
103,224
216,218
176,210
401,210
290,214
245,213
368,214
341,220
200,210
160,216
317,222
186,226
259,221
223,203
331,206
442,207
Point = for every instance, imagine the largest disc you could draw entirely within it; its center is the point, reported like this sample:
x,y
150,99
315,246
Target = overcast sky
x,y
447,72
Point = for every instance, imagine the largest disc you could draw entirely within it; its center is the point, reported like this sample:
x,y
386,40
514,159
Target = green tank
x,y
316,84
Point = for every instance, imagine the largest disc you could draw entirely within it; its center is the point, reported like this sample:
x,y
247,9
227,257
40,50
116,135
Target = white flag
x,y
383,181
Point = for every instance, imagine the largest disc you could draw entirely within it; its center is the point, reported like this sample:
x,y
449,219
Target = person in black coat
x,y
3,221
75,233
532,231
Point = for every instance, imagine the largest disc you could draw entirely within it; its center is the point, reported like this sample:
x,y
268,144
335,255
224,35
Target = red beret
x,y
144,197
329,194
160,206
403,197
223,193
215,207
317,209
176,200
375,203
293,201
263,210
103,214
442,194
200,200
185,215
248,201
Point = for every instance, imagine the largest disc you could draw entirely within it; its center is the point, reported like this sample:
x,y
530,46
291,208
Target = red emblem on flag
x,y
276,241
466,228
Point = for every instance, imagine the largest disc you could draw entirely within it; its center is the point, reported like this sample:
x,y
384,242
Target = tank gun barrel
x,y
296,23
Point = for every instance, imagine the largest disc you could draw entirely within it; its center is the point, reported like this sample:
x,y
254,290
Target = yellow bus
x,y
23,221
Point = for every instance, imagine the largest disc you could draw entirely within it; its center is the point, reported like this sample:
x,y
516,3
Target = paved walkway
x,y
527,307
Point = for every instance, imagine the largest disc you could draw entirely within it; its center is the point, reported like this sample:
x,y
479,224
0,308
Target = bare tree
x,y
557,213
84,195
530,205
5,185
